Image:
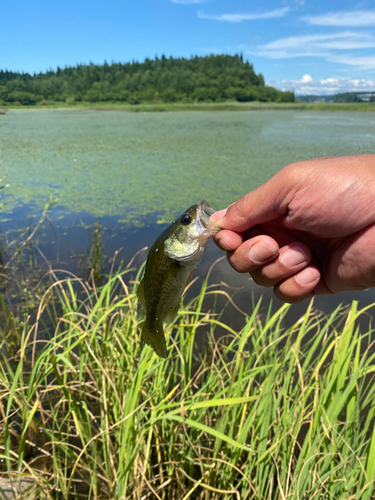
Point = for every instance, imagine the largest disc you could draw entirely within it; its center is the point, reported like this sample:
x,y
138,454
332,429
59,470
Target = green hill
x,y
343,97
214,78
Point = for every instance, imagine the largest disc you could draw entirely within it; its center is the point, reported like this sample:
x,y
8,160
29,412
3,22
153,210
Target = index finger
x,y
265,203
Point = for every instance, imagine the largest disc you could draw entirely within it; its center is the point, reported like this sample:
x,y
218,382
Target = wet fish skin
x,y
171,261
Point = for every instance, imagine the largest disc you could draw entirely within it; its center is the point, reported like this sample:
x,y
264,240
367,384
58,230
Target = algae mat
x,y
144,167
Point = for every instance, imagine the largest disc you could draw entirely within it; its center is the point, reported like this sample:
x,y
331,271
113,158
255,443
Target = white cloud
x,y
188,2
315,45
364,62
326,86
352,19
238,18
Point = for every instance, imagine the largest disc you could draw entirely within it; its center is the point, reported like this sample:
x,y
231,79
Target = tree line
x,y
211,78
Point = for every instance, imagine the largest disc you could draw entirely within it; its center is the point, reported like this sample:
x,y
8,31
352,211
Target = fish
x,y
171,262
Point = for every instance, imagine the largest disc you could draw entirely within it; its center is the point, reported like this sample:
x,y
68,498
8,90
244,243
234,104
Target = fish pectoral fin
x,y
189,278
171,316
141,292
154,337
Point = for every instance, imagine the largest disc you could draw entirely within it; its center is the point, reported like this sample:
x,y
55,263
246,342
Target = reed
x,y
95,253
270,412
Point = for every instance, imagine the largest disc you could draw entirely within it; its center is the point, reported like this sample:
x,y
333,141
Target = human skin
x,y
309,230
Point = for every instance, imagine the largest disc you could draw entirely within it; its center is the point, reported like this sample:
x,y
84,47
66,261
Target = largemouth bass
x,y
171,262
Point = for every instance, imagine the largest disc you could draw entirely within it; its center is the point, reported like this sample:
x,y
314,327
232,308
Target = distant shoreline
x,y
224,106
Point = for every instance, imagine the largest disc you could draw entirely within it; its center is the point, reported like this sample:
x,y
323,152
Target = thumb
x,y
264,204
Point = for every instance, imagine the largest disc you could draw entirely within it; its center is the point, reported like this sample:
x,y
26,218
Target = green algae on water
x,y
148,166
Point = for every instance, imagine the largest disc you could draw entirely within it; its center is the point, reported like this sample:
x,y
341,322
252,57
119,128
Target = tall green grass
x,y
270,412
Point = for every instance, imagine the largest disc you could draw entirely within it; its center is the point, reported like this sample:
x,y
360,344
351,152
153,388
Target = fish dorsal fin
x,y
141,292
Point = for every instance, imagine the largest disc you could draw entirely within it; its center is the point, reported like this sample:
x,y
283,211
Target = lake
x,y
134,172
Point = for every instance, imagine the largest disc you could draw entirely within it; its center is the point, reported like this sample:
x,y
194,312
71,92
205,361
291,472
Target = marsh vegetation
x,y
265,412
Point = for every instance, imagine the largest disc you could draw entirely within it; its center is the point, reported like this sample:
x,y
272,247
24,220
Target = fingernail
x,y
260,252
218,215
293,256
307,276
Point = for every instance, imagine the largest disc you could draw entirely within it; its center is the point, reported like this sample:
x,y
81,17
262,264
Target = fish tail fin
x,y
154,337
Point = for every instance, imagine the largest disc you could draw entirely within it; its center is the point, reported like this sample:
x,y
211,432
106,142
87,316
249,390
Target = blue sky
x,y
310,46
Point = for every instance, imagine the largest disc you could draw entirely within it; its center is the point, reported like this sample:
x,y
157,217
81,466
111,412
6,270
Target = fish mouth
x,y
204,213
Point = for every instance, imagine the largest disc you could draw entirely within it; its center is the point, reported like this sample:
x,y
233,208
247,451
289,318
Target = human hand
x,y
309,230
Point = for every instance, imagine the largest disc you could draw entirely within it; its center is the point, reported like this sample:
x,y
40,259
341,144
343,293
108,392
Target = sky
x,y
310,46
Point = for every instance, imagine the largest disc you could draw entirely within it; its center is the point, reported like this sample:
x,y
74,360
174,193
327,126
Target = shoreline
x,y
173,107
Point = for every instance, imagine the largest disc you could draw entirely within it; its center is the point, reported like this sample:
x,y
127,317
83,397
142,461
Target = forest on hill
x,y
213,78
342,97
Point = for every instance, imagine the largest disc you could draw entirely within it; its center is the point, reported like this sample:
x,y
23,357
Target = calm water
x,y
135,171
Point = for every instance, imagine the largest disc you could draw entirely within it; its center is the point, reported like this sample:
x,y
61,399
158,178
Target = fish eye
x,y
186,219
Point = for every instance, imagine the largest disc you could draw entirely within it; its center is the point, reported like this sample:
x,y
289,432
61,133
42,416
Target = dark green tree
x,y
209,78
